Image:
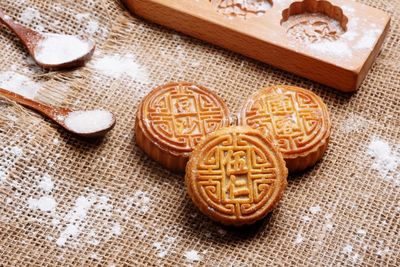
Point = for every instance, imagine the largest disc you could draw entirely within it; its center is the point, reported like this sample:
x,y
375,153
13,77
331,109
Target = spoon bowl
x,y
95,123
35,43
64,52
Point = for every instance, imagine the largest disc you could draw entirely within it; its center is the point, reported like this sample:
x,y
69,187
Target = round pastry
x,y
173,118
236,176
296,119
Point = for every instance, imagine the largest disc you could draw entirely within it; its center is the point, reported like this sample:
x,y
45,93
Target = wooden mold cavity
x,y
242,8
314,21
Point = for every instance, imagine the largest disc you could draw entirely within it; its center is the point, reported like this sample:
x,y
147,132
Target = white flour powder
x,y
19,84
29,14
299,239
45,203
368,40
59,48
74,218
354,123
315,209
8,158
89,121
46,184
192,256
118,66
385,160
2,176
164,247
347,248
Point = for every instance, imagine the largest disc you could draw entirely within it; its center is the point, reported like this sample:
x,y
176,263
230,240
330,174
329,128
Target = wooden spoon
x,y
32,39
56,114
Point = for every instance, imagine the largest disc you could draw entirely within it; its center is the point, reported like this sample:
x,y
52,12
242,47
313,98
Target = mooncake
x,y
236,176
173,118
296,119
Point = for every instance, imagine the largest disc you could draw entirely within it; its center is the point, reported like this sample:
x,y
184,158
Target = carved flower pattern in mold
x,y
241,8
313,28
314,21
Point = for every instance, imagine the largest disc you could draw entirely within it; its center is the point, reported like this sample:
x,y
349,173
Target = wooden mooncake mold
x,y
296,120
236,176
334,42
173,118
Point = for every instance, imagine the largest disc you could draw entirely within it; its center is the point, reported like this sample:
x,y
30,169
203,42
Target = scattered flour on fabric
x,y
347,248
361,232
90,220
92,27
306,219
164,247
29,14
116,229
315,209
2,176
46,184
118,65
45,203
354,123
82,16
75,218
383,251
193,256
56,141
299,239
8,157
139,200
19,84
386,159
89,25
81,222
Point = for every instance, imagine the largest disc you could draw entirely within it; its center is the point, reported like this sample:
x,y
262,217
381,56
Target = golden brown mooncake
x,y
173,118
236,176
296,119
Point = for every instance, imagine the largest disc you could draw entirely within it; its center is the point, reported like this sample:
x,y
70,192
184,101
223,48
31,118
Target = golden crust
x,y
236,176
173,118
296,119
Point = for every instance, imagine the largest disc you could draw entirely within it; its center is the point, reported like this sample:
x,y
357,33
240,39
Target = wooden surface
x,y
341,64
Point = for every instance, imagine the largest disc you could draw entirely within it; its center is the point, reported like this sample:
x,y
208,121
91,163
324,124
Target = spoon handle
x,y
28,36
48,111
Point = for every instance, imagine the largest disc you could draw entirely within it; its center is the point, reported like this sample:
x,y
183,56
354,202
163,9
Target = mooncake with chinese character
x,y
173,118
236,176
296,119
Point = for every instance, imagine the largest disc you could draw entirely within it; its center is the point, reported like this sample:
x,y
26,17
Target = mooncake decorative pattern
x,y
236,176
176,116
295,118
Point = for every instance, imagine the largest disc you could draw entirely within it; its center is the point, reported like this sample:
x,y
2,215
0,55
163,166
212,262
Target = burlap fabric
x,y
342,212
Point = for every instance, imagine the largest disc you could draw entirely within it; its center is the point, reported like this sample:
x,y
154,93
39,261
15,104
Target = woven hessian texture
x,y
341,212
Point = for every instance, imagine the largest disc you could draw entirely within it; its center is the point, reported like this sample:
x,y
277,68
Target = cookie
x,y
173,118
236,176
296,119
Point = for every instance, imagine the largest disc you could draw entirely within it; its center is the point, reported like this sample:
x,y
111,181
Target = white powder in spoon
x,y
89,121
60,48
